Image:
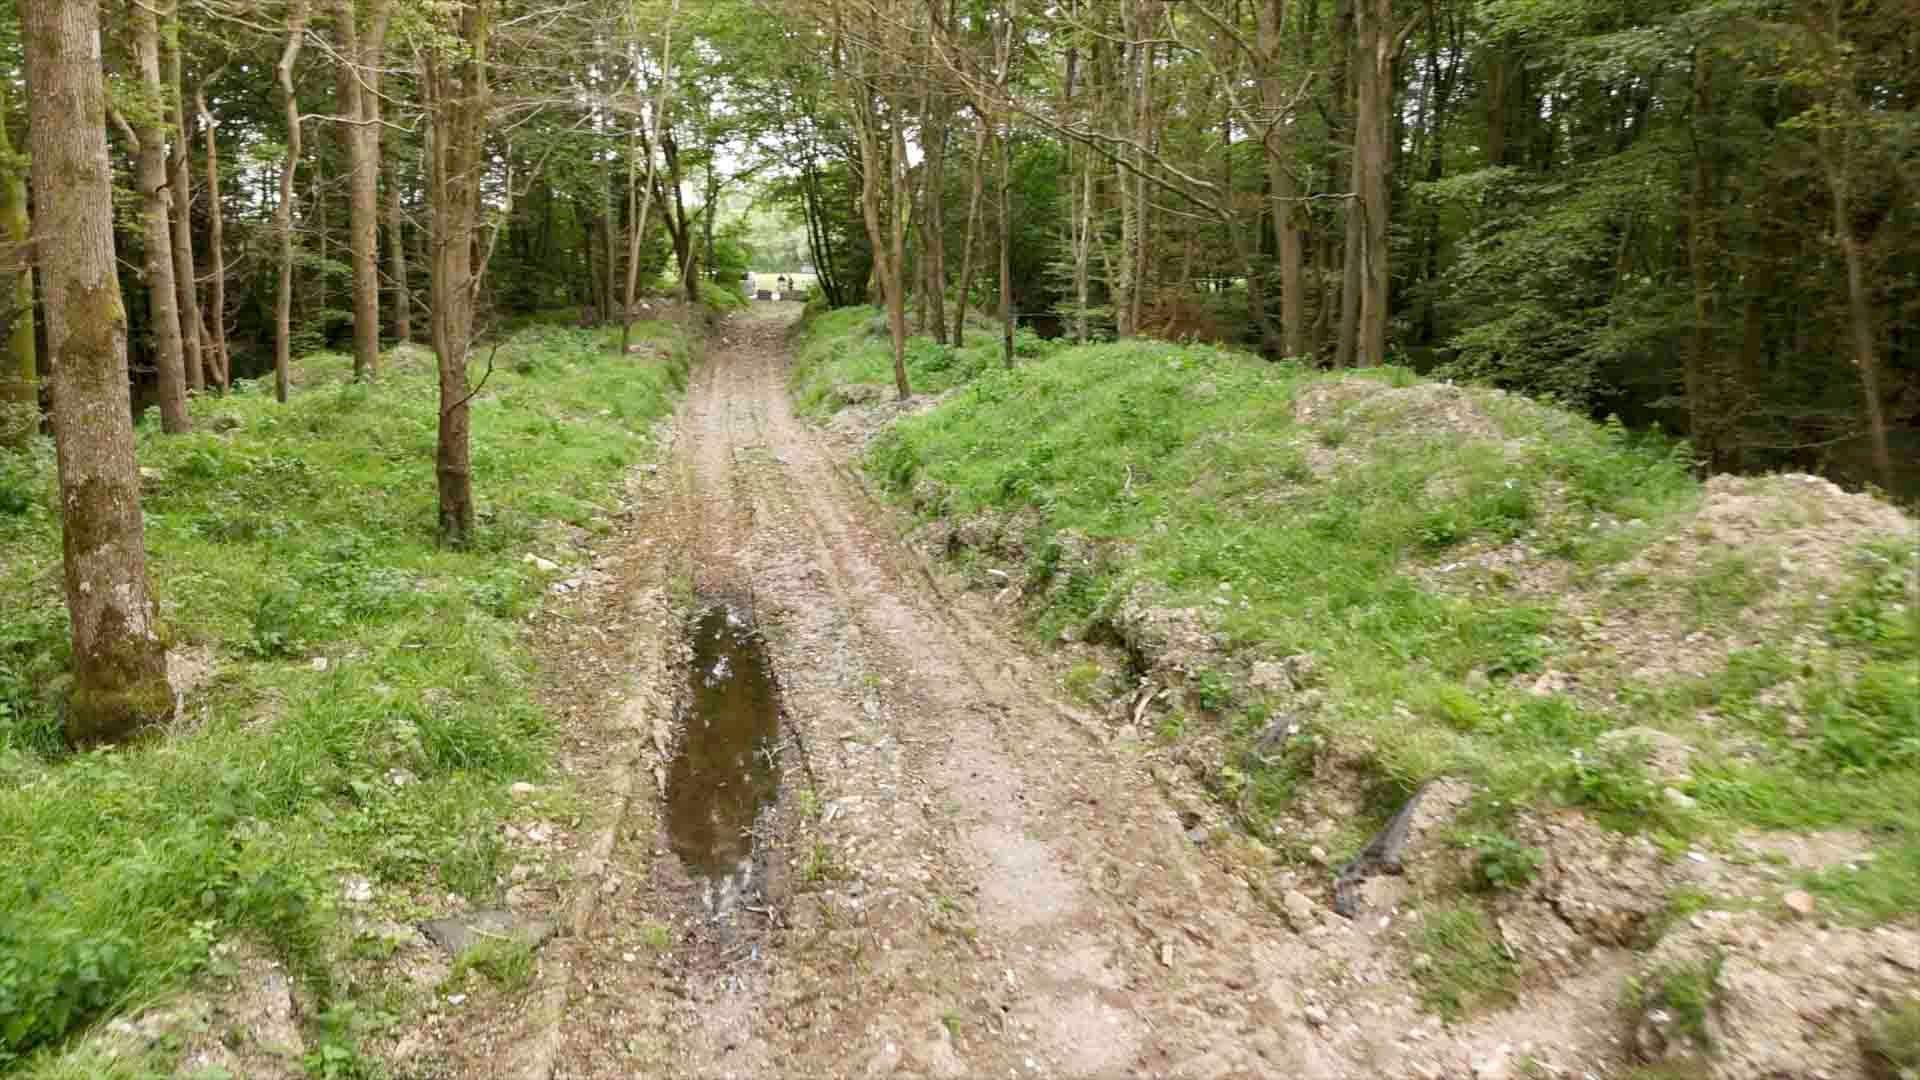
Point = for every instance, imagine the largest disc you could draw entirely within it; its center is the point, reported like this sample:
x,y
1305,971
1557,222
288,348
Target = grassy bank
x,y
362,695
852,347
1473,585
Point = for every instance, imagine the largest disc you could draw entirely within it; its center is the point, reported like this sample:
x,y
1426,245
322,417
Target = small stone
x,y
457,935
356,890
545,566
1495,1064
1166,954
456,999
400,777
1422,962
1315,1015
1680,799
320,663
520,789
1270,677
1317,855
1800,902
1302,913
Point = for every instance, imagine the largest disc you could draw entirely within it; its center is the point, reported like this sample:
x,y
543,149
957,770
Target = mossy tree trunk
x,y
120,669
19,385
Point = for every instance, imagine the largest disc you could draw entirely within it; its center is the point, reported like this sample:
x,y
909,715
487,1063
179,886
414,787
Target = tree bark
x,y
458,106
180,184
397,257
163,300
216,251
1704,421
362,51
19,378
1866,363
640,203
120,664
1284,189
1372,156
882,154
977,169
1006,243
934,228
283,210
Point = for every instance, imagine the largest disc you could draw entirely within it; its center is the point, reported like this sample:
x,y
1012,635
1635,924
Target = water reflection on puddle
x,y
727,769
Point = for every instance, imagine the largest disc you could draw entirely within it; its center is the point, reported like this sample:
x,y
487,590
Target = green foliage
x,y
1468,969
1687,991
336,1053
507,962
1892,1041
307,530
1613,782
1501,862
54,978
1081,680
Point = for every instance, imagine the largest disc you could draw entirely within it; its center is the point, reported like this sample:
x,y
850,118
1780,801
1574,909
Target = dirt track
x,y
967,880
965,876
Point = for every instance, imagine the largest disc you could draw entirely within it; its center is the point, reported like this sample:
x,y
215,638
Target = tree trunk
x,y
1284,189
1343,345
640,203
180,182
896,270
19,380
458,107
934,249
361,54
283,210
1703,414
1006,243
1372,155
397,257
163,299
1083,251
977,168
120,662
1866,363
216,251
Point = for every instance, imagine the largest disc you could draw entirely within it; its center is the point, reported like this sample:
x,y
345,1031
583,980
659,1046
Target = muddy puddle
x,y
726,774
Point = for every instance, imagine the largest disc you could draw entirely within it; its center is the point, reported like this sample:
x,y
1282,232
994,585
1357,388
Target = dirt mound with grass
x,y
1652,702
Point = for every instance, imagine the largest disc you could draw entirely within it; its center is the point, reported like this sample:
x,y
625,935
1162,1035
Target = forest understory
x,y
1082,716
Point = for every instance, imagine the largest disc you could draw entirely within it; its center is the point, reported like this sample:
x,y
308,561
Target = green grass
x,y
279,534
1468,969
851,345
1187,468
1892,1043
1686,991
507,962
